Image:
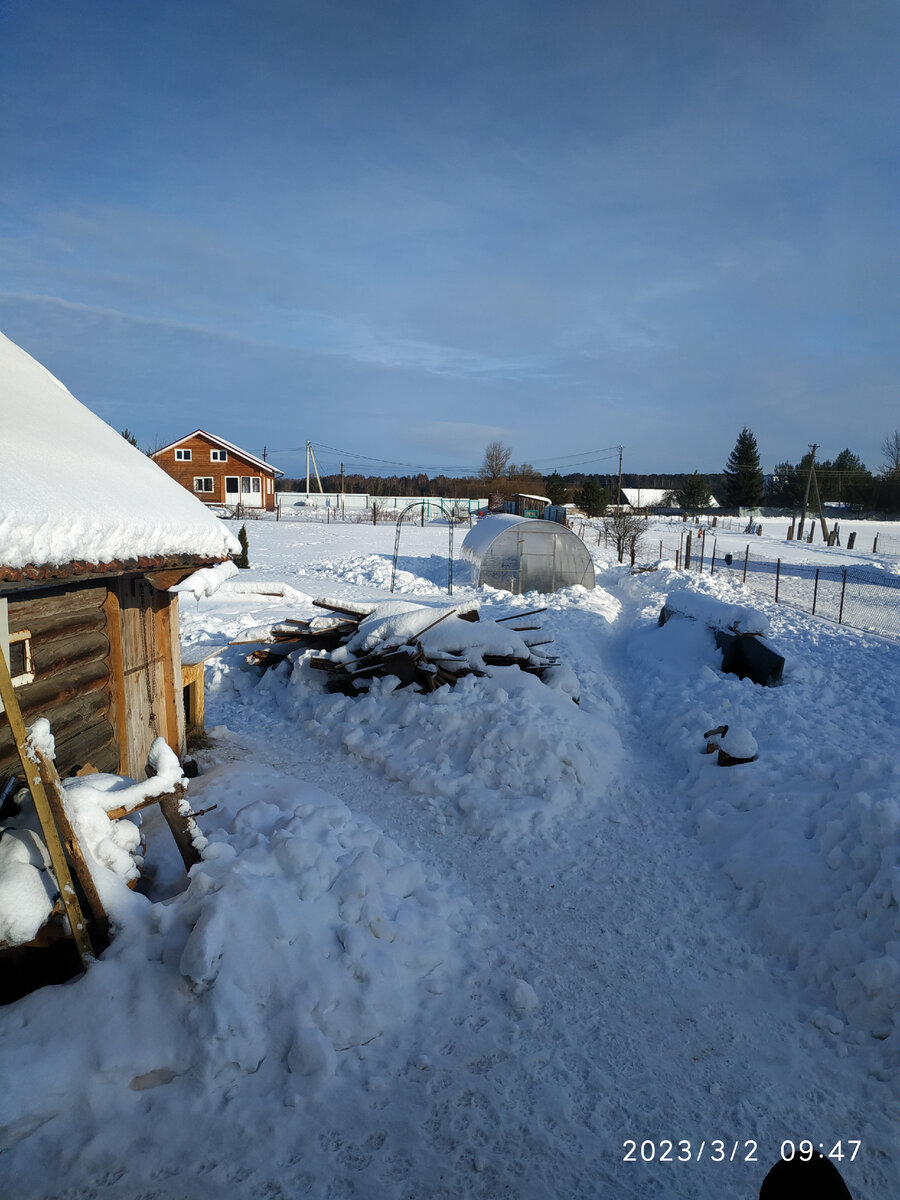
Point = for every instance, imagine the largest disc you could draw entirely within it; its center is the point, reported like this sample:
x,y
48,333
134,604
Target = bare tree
x,y
890,448
495,462
626,530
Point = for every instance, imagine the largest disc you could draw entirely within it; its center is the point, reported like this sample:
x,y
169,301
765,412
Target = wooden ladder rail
x,y
67,892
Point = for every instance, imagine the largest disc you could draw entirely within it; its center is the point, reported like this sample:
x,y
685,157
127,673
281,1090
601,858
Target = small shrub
x,y
242,560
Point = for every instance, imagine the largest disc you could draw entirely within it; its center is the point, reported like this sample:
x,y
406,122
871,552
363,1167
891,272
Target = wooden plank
x,y
183,827
169,642
48,826
53,788
116,686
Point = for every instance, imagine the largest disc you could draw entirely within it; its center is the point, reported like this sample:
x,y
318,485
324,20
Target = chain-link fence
x,y
864,595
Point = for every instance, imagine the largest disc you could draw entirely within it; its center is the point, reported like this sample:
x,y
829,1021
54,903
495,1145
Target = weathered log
x,y
59,655
59,624
52,603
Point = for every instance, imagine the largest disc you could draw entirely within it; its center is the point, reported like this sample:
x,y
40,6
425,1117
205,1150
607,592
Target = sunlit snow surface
x,y
470,944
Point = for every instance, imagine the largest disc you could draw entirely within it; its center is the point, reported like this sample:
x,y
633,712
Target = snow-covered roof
x,y
655,498
529,496
75,491
264,466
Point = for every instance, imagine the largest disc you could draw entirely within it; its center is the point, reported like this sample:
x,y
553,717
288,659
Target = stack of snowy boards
x,y
420,645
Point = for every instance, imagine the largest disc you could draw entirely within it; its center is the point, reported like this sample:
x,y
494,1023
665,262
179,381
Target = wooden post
x,y
117,707
815,591
67,892
777,578
746,561
712,565
843,590
687,552
182,827
875,545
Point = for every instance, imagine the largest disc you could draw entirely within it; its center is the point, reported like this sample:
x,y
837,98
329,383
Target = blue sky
x,y
404,229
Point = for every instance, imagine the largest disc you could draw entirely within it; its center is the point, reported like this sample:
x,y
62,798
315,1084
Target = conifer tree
x,y
242,560
557,491
743,475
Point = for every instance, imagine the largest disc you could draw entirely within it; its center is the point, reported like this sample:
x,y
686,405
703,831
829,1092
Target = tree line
x,y
843,480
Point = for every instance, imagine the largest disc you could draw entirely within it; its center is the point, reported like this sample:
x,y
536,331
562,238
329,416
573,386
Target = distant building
x,y
655,498
218,472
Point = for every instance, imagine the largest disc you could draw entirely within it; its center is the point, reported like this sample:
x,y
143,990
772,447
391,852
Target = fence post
x,y
746,561
777,578
843,590
687,552
677,560
815,591
875,545
712,565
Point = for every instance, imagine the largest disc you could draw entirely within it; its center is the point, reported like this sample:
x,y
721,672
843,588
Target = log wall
x,y
70,650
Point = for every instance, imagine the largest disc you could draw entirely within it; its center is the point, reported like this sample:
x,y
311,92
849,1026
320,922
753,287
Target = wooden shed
x,y
92,536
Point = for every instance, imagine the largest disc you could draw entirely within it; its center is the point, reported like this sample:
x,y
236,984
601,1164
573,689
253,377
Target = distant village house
x,y
218,472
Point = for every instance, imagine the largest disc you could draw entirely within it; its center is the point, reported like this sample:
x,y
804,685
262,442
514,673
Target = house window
x,y
19,660
245,483
256,485
203,483
231,483
218,456
182,456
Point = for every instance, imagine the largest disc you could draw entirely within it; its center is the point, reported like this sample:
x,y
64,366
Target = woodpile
x,y
422,646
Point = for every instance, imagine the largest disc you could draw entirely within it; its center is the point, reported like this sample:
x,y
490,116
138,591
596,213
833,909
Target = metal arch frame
x,y
421,504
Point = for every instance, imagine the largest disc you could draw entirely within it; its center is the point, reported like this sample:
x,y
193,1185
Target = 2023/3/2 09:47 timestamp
x,y
722,1150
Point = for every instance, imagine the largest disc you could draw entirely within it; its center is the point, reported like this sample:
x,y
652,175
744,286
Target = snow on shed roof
x,y
73,490
251,458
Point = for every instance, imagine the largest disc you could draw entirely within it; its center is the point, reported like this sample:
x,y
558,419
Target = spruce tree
x,y
242,560
557,492
743,475
592,499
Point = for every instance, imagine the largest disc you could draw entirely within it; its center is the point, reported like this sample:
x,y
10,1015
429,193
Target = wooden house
x,y
218,472
92,536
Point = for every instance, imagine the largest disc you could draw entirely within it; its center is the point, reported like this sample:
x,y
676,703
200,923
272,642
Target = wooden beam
x,y
117,709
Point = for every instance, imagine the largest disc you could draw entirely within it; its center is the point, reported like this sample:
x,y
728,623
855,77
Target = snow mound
x,y
459,751
303,932
717,612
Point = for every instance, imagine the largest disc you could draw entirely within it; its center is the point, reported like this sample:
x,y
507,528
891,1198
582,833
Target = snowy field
x,y
482,942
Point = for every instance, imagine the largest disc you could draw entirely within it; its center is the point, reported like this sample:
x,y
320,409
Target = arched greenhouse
x,y
517,554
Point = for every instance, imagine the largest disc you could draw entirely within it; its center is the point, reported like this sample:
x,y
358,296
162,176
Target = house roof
x,y
75,492
654,498
265,467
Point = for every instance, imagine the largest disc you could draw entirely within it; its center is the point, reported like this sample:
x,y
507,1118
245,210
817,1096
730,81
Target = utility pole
x,y
821,509
307,468
814,447
265,448
619,492
342,479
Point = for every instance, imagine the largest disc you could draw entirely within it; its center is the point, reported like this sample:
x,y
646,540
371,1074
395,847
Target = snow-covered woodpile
x,y
423,646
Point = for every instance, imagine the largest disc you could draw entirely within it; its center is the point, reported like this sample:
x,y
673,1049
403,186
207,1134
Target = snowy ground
x,y
475,943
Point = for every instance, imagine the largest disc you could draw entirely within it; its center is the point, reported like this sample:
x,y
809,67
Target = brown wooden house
x,y
92,534
217,472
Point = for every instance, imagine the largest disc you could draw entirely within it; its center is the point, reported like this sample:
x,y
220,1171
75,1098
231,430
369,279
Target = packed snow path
x,y
610,989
